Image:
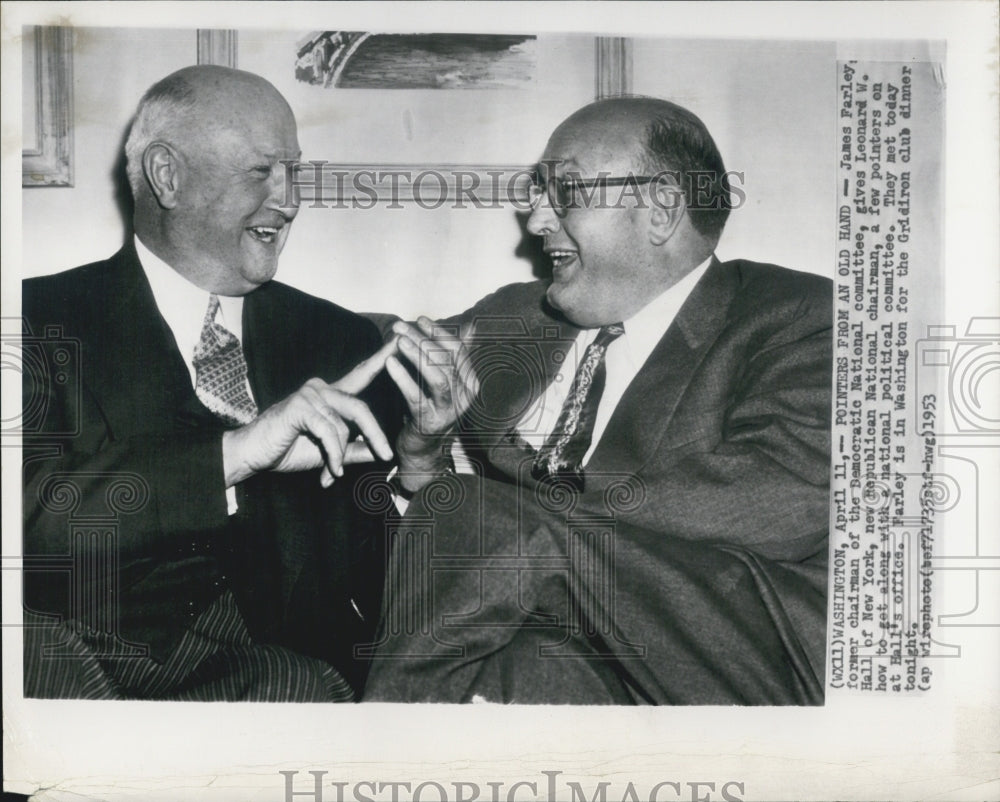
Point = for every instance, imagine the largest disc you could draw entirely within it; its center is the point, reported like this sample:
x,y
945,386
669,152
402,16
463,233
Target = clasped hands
x,y
309,429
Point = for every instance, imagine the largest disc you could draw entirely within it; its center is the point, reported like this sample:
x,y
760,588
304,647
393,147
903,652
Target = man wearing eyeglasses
x,y
649,522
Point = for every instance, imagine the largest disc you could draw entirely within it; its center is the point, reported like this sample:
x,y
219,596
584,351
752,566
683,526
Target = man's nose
x,y
283,193
543,219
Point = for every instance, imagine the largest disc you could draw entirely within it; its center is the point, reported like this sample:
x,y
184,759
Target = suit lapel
x,y
137,372
270,345
262,347
141,380
532,357
645,413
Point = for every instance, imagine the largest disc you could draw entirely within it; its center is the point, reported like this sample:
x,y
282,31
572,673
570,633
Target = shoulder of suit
x,y
300,309
69,294
284,294
779,286
511,299
73,278
513,310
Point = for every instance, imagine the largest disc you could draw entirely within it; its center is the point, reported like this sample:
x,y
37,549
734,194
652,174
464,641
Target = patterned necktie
x,y
221,371
563,452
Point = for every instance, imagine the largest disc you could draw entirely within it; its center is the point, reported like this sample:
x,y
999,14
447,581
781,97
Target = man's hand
x,y
309,429
449,385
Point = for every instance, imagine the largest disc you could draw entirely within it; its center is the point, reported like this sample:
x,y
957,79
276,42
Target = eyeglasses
x,y
569,193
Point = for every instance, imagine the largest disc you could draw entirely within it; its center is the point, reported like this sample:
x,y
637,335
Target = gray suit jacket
x,y
691,568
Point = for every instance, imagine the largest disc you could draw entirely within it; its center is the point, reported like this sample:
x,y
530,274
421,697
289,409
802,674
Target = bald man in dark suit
x,y
661,538
182,538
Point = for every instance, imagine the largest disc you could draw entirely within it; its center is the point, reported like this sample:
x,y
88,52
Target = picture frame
x,y
612,78
47,103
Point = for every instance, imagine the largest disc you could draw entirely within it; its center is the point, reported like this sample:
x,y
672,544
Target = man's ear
x,y
667,208
162,166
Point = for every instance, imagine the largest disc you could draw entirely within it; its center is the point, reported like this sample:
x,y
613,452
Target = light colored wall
x,y
771,108
437,262
417,261
68,226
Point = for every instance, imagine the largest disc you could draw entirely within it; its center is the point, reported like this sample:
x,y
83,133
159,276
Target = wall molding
x,y
613,66
218,46
50,162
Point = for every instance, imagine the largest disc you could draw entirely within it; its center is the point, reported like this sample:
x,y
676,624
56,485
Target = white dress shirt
x,y
183,306
623,360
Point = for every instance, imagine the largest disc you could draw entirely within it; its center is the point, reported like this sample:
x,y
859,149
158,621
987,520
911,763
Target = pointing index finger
x,y
364,372
353,409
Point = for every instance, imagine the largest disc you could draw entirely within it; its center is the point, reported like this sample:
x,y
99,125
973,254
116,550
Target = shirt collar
x,y
183,304
647,326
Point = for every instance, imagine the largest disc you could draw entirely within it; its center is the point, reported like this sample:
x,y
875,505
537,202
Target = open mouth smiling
x,y
561,259
265,234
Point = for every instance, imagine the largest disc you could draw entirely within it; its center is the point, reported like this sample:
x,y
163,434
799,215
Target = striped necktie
x,y
221,371
563,452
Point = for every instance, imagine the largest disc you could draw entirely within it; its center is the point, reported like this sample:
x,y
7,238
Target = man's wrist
x,y
414,474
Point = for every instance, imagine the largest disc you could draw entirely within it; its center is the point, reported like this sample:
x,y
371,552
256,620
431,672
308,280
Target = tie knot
x,y
608,334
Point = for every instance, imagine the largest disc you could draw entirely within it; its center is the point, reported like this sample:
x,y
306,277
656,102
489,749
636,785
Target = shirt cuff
x,y
402,504
231,503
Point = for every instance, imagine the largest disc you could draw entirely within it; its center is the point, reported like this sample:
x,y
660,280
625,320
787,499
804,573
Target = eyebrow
x,y
273,157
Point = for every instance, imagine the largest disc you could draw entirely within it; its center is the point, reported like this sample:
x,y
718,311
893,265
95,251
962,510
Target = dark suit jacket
x,y
715,470
122,413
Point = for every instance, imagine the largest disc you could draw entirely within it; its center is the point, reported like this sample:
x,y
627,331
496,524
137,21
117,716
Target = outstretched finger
x,y
313,392
450,342
436,353
432,362
364,372
444,335
350,408
358,451
439,331
407,386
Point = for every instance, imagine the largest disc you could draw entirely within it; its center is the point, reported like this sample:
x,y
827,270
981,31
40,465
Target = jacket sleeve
x,y
158,482
165,483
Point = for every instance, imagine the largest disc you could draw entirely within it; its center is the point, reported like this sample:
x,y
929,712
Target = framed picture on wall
x,y
474,104
365,60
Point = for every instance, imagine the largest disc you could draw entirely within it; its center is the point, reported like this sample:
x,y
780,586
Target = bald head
x,y
654,136
207,159
627,118
625,213
190,105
